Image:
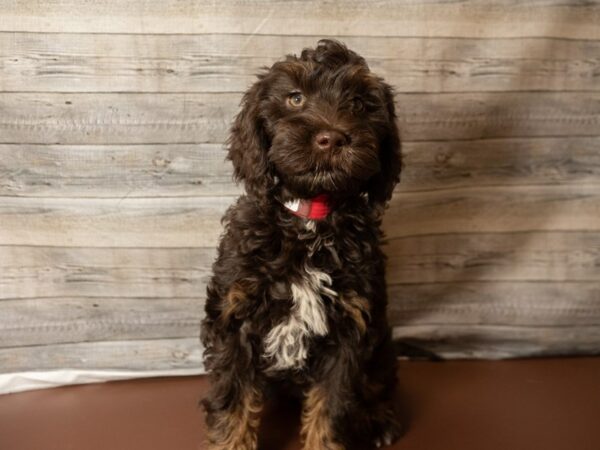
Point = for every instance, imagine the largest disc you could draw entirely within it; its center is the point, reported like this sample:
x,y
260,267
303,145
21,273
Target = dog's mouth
x,y
315,182
324,178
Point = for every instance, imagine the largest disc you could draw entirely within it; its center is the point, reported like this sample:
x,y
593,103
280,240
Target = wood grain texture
x,y
447,18
115,222
73,118
500,162
494,209
158,354
172,170
449,341
63,320
498,303
135,171
517,256
30,272
57,62
58,272
113,179
115,118
195,221
498,280
45,321
502,341
493,115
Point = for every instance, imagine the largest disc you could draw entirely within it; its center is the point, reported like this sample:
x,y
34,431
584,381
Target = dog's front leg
x,y
330,401
318,428
234,403
233,410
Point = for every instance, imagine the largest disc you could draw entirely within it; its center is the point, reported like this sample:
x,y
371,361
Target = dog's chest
x,y
286,346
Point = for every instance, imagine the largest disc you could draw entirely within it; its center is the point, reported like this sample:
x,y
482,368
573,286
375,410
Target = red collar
x,y
317,208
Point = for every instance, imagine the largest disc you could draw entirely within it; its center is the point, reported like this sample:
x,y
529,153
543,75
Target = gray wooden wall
x,y
112,179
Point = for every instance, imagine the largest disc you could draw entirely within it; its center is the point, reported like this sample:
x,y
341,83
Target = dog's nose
x,y
329,140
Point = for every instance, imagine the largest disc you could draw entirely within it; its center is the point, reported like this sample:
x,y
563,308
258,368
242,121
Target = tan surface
x,y
511,405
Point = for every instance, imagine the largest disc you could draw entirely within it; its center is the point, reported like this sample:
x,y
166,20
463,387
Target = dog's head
x,y
321,123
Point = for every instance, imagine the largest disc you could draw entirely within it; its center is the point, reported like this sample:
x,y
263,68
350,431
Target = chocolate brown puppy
x,y
297,300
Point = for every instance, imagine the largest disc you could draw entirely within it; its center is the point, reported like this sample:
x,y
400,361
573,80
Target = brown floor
x,y
551,404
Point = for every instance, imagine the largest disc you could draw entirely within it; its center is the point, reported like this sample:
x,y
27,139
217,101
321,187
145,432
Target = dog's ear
x,y
382,184
248,144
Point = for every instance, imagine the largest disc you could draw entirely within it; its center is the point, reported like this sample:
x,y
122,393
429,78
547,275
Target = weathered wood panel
x,y
517,303
502,341
460,306
482,341
195,221
115,118
447,18
167,170
494,209
115,222
63,320
158,354
112,179
491,115
73,118
44,321
226,63
531,255
171,170
57,272
500,162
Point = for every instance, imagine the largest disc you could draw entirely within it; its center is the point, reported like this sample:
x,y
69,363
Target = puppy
x,y
298,295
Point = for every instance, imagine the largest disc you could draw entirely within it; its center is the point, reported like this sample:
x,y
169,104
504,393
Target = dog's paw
x,y
384,441
387,431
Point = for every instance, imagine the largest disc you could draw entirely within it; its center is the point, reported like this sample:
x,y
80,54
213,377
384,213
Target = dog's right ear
x,y
381,186
248,144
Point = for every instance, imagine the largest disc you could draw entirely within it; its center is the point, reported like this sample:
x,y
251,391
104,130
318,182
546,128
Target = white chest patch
x,y
286,345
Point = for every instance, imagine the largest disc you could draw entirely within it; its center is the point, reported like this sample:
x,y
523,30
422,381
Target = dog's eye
x,y
295,99
357,105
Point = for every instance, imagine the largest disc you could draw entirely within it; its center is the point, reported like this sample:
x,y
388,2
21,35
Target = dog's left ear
x,y
382,184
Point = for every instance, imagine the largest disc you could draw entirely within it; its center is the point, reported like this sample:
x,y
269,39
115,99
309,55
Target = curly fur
x,y
298,304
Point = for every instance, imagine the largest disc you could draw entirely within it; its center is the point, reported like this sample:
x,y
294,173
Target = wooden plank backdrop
x,y
113,179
